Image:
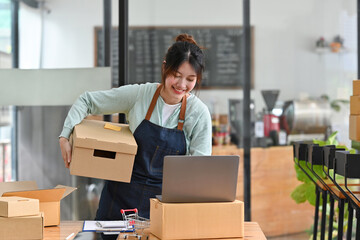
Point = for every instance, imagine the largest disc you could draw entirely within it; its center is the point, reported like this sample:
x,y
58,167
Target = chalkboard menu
x,y
148,45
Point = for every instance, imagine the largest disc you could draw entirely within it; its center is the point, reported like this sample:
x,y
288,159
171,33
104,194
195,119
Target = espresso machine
x,y
271,121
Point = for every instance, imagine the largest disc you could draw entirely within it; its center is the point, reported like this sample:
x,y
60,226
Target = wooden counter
x,y
252,231
273,178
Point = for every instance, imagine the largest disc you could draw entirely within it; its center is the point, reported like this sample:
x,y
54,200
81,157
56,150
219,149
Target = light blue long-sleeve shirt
x,y
134,101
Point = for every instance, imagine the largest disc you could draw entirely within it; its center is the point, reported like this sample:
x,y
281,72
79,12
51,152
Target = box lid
x,y
68,190
44,195
92,134
29,189
15,199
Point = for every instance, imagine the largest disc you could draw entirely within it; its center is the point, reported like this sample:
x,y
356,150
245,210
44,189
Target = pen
x,y
68,237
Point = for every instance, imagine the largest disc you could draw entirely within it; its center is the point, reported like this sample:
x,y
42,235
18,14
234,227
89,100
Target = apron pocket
x,y
157,161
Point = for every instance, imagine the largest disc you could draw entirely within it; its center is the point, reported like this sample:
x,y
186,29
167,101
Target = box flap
x,y
44,195
15,199
92,134
68,190
17,186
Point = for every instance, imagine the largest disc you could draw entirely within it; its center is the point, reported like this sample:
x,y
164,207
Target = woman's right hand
x,y
65,147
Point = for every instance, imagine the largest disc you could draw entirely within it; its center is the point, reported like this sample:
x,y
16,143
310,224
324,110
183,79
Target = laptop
x,y
199,179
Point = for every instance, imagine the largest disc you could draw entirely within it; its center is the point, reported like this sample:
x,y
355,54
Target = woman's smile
x,y
179,84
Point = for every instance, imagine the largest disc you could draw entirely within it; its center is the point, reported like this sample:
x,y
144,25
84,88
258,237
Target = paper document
x,y
111,224
106,226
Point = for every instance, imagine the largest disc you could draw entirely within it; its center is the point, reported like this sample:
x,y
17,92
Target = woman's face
x,y
176,86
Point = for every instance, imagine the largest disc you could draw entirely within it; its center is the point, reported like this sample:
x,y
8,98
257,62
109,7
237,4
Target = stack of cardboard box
x,y
197,220
20,218
48,199
354,123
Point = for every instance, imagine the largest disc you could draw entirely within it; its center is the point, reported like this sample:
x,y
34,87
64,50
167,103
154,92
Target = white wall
x,y
285,35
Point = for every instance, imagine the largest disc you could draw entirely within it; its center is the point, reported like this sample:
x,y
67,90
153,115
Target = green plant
x,y
335,104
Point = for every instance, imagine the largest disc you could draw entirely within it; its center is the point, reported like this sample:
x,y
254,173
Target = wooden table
x,y
252,231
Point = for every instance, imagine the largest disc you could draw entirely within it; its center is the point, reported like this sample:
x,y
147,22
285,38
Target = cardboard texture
x,y
354,105
103,153
49,199
354,127
356,87
29,227
18,206
196,220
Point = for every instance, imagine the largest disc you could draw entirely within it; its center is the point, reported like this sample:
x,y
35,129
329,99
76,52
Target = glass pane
x,y
5,143
5,26
5,111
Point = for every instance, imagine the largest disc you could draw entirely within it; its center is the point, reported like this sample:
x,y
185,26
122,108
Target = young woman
x,y
166,119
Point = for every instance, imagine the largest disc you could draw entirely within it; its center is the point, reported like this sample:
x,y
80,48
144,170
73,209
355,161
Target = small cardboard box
x,y
49,198
18,206
21,228
103,153
355,105
196,220
356,87
354,127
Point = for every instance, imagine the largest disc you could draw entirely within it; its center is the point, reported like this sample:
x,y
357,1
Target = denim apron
x,y
154,142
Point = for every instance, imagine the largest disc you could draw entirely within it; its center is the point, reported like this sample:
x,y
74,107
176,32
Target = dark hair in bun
x,y
185,38
185,49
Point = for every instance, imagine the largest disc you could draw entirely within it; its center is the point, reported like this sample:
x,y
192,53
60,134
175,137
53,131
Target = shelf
x,y
322,50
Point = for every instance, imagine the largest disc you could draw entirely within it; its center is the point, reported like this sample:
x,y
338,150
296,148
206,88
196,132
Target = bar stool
x,y
316,158
300,151
328,156
314,155
348,166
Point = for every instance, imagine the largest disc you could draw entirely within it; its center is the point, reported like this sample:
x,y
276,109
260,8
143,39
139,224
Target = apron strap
x,y
153,102
182,114
182,110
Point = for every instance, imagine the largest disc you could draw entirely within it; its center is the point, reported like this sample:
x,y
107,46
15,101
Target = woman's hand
x,y
65,147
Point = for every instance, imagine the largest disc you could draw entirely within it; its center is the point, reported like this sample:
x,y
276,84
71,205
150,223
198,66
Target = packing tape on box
x,y
112,127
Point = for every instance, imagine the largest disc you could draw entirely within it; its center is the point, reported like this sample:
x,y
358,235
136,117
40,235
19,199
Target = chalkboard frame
x,y
97,29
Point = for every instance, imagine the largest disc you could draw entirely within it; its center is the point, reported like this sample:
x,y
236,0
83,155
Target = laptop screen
x,y
200,178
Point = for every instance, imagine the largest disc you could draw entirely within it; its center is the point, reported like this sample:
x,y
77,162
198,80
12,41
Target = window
x,y
5,34
5,111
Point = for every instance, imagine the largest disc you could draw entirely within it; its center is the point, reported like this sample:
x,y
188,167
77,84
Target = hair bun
x,y
185,38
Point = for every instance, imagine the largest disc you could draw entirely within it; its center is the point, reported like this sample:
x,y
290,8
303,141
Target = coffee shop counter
x,y
273,178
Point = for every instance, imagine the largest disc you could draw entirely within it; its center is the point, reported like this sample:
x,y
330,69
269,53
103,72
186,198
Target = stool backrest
x,y
315,154
300,150
329,155
340,162
347,165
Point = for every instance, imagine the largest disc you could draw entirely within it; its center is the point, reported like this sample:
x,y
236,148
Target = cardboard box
x,y
103,153
49,198
355,105
196,220
354,127
29,227
18,206
356,87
